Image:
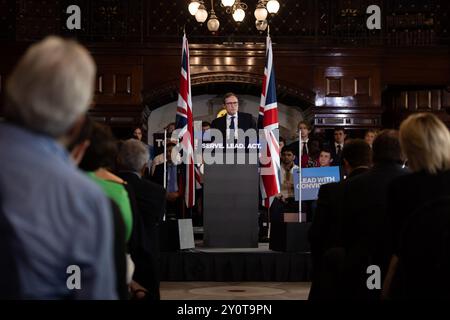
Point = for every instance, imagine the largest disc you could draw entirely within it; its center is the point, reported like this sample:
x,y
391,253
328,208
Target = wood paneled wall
x,y
343,86
326,61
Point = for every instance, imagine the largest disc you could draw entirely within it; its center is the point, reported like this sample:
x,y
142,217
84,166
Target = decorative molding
x,y
171,88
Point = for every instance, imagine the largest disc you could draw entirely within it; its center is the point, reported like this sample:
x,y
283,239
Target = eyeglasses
x,y
232,103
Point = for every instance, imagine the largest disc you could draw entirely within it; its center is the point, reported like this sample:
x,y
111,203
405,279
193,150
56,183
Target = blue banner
x,y
312,179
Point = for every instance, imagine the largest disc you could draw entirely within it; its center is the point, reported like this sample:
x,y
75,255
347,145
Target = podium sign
x,y
230,217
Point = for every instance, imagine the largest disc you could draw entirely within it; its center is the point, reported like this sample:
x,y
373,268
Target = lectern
x,y
230,217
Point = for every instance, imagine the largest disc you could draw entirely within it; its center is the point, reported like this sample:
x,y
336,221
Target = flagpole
x,y
268,208
300,176
165,166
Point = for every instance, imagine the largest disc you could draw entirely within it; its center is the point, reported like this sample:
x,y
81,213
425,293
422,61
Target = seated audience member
x,y
370,136
158,159
281,142
97,162
137,133
325,159
206,135
150,197
173,172
419,264
287,180
325,231
365,214
46,202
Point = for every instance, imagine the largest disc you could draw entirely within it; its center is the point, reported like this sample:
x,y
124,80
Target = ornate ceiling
x,y
308,22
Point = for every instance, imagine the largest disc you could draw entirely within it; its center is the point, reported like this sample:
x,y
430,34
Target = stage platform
x,y
240,264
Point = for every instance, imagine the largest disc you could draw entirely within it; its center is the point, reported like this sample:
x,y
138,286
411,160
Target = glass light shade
x,y
227,3
213,22
201,14
273,6
260,13
239,15
193,7
261,25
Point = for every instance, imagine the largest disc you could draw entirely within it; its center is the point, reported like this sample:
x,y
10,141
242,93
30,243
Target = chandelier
x,y
237,9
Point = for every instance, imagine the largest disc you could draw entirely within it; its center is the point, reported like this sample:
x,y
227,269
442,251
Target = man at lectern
x,y
233,120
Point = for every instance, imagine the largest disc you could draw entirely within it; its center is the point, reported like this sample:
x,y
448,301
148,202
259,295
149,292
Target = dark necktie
x,y
304,149
232,123
339,151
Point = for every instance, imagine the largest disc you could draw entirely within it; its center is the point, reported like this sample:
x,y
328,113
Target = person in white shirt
x,y
287,174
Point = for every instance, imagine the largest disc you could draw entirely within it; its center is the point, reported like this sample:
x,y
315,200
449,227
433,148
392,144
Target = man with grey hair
x,y
151,199
60,220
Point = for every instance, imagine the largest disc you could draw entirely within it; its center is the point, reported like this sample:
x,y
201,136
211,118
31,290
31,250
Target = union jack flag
x,y
184,122
268,121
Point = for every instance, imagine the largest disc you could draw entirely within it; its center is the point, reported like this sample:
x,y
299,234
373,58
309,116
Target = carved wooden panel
x,y
334,87
420,100
436,100
402,102
119,85
412,102
348,86
424,99
362,86
335,117
446,98
126,116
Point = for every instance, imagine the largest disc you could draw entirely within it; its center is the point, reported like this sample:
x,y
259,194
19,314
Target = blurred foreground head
x,y
425,142
51,87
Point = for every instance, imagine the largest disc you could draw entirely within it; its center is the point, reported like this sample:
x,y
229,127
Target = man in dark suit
x,y
150,200
365,215
325,232
310,146
233,120
337,146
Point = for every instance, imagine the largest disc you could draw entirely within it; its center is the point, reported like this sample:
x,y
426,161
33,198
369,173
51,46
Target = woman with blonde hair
x,y
415,220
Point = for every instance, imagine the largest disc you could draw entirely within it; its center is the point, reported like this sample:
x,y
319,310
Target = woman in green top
x,y
99,157
114,189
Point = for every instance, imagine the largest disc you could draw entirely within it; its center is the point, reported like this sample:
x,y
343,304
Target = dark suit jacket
x,y
158,175
326,228
176,207
314,145
364,227
150,202
337,161
407,193
406,196
245,122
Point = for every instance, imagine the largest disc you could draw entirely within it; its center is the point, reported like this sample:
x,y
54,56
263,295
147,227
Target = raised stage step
x,y
235,264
